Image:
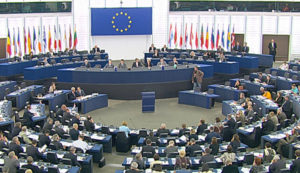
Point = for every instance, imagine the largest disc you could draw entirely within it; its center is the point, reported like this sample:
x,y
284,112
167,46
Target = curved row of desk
x,y
125,84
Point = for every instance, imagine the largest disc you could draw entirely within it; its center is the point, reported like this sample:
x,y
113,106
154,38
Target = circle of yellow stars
x,y
121,29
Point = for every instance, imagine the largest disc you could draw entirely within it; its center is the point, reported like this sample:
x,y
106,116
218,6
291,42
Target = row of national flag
x,y
39,41
190,38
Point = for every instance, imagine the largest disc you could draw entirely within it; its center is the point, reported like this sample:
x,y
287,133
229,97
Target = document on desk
x,y
33,136
136,150
63,170
97,137
129,160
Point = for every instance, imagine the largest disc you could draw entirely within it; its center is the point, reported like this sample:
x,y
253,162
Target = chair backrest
x,y
295,68
66,161
227,83
97,66
295,77
163,135
210,91
143,133
173,155
147,154
196,153
105,129
52,157
268,71
97,57
52,169
274,73
286,74
247,77
52,61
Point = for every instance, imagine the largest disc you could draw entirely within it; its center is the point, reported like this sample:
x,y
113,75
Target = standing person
x,y
272,48
197,78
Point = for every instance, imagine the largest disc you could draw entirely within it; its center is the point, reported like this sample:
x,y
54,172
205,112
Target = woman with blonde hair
x,y
182,162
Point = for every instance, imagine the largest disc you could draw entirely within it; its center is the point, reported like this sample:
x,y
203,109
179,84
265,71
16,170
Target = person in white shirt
x,y
284,66
80,143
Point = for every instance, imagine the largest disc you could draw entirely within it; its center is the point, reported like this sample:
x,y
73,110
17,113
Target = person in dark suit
x,y
193,134
89,124
44,138
15,146
183,130
164,49
245,48
74,132
272,48
279,99
201,127
214,146
63,108
237,47
152,48
162,130
192,147
12,163
96,49
286,107
71,155
79,92
48,125
152,138
230,122
133,168
139,160
277,164
212,134
235,142
86,64
230,168
16,130
56,142
72,95
156,54
137,63
58,129
295,167
206,156
66,117
174,63
75,119
267,125
148,148
33,151
29,165
109,64
3,141
197,78
27,117
122,64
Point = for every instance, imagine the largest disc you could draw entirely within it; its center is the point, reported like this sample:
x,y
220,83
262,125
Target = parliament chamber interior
x,y
149,86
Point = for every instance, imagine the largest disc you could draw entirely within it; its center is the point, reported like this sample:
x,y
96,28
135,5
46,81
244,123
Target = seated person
x,y
281,117
16,130
279,99
222,57
72,95
124,128
206,156
15,146
257,166
268,125
245,48
96,50
29,165
205,56
211,134
171,148
174,62
89,124
240,117
59,129
32,150
201,127
284,66
133,168
156,54
162,130
72,155
27,117
277,164
74,132
193,55
148,148
75,119
242,99
156,161
44,138
23,134
219,49
269,153
164,49
79,92
268,80
152,138
48,125
193,134
184,130
288,140
152,48
52,87
192,148
229,155
266,93
182,162
148,63
235,143
122,64
162,63
294,89
3,141
229,167
56,142
86,64
287,107
295,166
109,64
237,47
137,63
139,160
237,84
80,143
214,146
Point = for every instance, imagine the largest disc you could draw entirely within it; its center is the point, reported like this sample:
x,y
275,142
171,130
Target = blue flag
x,y
121,21
222,39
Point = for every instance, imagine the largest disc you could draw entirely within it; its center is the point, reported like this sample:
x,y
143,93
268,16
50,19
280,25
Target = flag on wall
x,y
175,37
212,42
29,41
49,39
196,39
222,38
25,41
180,42
8,46
15,43
66,43
59,38
191,36
206,39
185,36
70,39
218,38
75,38
170,35
39,40
44,41
232,38
228,37
55,39
19,43
34,39
202,37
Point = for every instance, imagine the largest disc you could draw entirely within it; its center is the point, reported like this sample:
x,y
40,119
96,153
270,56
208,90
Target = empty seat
x,y
268,71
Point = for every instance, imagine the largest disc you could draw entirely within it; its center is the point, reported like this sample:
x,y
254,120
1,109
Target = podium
x,y
148,101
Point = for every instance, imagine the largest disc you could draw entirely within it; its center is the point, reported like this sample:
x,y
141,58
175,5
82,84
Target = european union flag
x,y
121,21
